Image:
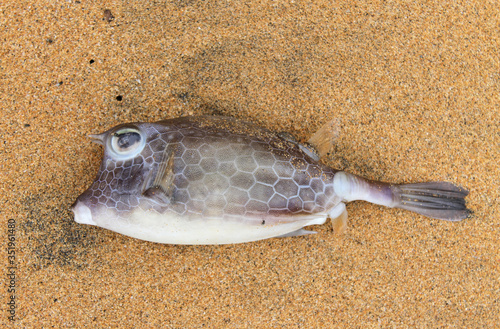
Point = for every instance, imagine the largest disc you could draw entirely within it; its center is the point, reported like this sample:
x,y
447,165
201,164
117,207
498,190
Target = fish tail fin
x,y
440,200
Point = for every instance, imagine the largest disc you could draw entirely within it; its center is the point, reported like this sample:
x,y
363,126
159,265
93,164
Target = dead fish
x,y
218,180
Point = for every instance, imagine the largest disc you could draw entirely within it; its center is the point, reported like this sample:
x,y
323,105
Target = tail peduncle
x,y
440,200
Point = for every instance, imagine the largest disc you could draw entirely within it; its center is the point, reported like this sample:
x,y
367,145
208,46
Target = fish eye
x,y
126,143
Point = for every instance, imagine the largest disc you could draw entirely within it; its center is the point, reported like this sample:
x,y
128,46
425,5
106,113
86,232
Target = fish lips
x,y
83,214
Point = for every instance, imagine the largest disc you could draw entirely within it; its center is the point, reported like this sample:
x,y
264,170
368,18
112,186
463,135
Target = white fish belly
x,y
174,229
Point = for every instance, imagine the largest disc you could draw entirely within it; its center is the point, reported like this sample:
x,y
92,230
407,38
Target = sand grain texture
x,y
416,86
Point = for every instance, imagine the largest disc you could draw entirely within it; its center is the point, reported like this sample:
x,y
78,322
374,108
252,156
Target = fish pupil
x,y
128,139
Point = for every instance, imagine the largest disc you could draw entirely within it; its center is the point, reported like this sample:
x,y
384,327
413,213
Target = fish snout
x,y
83,214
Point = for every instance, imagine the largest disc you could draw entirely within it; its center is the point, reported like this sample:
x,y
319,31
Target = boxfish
x,y
202,180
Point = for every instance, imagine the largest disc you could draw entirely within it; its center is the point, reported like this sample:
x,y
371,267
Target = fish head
x,y
128,174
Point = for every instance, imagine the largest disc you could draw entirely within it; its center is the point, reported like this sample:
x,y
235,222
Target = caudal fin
x,y
440,200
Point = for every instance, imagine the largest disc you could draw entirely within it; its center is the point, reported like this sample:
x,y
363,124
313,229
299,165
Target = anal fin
x,y
298,232
338,216
339,223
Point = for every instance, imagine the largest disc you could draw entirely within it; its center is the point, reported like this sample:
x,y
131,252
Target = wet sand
x,y
416,89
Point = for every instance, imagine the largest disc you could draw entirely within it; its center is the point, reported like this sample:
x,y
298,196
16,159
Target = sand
x,y
416,88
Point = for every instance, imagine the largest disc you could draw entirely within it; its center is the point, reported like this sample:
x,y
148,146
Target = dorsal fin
x,y
161,188
287,136
324,139
307,148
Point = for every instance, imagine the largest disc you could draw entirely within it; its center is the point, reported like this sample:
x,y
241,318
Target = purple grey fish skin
x,y
213,180
222,167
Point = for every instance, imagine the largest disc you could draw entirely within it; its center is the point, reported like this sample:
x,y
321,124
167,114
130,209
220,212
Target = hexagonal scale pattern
x,y
220,168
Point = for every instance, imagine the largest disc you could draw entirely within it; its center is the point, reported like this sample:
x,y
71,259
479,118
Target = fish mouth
x,y
83,215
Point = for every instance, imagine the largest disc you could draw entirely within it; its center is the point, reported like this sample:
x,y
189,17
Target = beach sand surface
x,y
416,89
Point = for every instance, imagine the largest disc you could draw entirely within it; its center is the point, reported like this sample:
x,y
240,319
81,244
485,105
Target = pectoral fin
x,y
159,185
